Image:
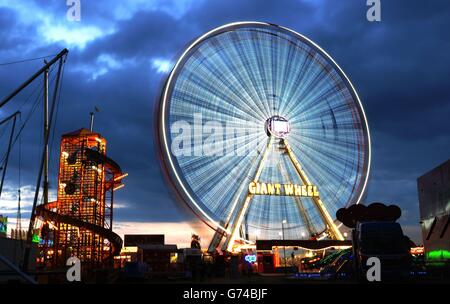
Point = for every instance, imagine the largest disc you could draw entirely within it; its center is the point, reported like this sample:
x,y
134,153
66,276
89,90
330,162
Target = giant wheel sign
x,y
261,130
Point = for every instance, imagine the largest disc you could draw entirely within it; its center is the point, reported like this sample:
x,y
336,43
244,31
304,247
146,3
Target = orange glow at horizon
x,y
178,233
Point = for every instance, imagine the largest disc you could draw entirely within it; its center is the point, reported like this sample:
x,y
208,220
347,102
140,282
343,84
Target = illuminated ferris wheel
x,y
262,132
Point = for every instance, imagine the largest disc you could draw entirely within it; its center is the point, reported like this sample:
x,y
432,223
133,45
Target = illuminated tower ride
x,y
262,132
79,223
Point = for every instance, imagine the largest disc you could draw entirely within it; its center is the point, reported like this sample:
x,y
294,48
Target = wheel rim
x,y
246,73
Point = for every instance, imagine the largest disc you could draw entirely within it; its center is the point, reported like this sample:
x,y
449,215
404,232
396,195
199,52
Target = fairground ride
x,y
79,223
263,135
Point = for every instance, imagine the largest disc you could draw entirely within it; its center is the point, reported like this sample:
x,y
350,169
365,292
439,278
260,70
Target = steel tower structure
x,y
80,222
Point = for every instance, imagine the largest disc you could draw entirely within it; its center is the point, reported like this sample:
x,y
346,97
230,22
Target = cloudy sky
x,y
120,52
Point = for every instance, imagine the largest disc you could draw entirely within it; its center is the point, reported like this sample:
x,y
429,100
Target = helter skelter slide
x,y
79,223
296,116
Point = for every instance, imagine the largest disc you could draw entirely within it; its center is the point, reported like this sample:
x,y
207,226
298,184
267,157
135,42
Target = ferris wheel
x,y
262,133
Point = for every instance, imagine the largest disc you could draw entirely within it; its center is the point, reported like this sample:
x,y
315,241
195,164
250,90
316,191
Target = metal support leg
x,y
240,216
219,234
334,231
304,215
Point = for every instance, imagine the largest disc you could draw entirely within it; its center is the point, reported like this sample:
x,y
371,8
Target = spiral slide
x,y
115,239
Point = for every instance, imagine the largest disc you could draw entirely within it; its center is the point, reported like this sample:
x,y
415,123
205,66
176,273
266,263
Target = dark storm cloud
x,y
11,38
145,35
399,67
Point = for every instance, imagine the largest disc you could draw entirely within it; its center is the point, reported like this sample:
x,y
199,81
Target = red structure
x,y
80,222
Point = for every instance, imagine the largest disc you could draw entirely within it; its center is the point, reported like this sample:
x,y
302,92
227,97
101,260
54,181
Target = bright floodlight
x,y
278,126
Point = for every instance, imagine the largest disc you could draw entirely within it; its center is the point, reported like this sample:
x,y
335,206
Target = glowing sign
x,y
36,238
439,255
278,126
251,258
283,189
3,224
129,249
